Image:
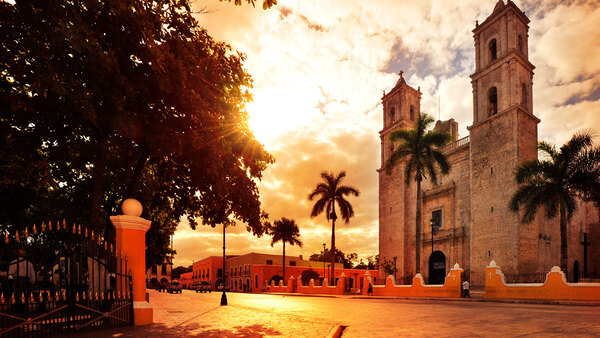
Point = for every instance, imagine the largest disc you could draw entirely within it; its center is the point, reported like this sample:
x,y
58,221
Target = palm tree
x,y
285,230
329,192
422,152
555,182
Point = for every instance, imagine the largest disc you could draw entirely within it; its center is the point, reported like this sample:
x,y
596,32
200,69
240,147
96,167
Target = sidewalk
x,y
476,296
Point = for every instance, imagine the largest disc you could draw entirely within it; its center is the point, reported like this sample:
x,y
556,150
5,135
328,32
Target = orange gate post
x,y
131,241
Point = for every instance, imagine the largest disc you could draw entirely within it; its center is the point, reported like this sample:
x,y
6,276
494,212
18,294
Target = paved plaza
x,y
257,315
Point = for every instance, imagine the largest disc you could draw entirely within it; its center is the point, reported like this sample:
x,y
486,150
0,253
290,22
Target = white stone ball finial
x,y
132,207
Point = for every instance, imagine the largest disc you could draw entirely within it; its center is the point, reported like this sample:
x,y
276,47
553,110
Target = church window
x,y
392,115
493,101
491,170
412,112
523,94
436,218
493,51
520,43
492,209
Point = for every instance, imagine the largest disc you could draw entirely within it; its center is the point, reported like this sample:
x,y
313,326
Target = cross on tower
x,y
401,72
585,244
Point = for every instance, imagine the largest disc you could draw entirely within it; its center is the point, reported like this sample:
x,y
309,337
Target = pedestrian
x,y
465,287
370,289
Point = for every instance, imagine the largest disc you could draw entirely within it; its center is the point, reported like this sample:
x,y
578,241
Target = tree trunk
x,y
97,193
564,259
418,228
283,261
332,277
132,189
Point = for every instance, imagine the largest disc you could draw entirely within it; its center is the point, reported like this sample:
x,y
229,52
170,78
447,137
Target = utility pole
x,y
224,296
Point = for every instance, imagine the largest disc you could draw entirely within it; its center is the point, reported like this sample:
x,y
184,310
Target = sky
x,y
319,69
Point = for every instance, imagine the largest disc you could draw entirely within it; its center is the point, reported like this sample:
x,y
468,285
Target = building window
x,y
412,112
492,101
524,94
520,43
292,263
163,269
493,51
219,273
393,115
256,281
269,262
436,217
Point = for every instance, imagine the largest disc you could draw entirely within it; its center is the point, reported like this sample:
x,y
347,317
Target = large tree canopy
x,y
103,100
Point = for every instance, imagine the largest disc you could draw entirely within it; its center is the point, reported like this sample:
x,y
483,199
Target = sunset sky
x,y
320,68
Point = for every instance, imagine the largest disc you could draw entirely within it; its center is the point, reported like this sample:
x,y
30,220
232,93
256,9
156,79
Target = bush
x,y
307,275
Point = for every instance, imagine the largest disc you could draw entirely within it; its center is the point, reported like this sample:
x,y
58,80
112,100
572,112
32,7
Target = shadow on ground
x,y
190,330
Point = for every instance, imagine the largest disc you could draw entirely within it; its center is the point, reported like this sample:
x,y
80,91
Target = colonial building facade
x,y
469,207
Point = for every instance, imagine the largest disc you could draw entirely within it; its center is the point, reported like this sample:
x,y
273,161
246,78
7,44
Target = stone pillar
x,y
131,241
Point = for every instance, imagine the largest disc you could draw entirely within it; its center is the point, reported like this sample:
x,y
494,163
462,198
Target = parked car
x,y
193,286
204,287
174,287
162,286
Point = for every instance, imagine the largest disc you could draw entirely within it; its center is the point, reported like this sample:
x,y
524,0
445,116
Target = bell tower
x,y
401,106
503,135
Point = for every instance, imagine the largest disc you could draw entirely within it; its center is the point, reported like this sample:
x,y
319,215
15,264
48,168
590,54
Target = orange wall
x,y
555,287
206,270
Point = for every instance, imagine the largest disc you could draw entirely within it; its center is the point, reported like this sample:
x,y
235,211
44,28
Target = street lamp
x,y
224,296
323,257
395,258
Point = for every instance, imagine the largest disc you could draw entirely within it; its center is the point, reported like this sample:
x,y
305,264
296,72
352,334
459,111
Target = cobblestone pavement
x,y
254,315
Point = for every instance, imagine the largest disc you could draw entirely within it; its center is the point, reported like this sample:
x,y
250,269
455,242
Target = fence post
x,y
131,241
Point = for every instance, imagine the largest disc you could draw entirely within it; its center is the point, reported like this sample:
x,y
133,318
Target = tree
x,y
178,271
329,192
340,257
307,275
266,3
421,152
388,267
105,100
555,182
285,231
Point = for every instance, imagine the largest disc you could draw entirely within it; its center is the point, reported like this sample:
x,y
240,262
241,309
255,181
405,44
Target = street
x,y
251,315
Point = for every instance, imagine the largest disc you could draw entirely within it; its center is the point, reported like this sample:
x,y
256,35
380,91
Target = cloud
x,y
319,70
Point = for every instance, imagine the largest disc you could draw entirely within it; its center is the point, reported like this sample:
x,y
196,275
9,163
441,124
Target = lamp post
x,y
224,296
323,257
395,258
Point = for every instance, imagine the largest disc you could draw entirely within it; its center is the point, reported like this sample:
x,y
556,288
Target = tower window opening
x,y
493,51
493,101
524,94
392,115
412,112
520,43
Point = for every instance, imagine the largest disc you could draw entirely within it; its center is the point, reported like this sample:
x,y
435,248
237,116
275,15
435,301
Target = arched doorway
x,y
437,267
575,272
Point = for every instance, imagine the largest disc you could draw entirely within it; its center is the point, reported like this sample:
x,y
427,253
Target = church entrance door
x,y
437,267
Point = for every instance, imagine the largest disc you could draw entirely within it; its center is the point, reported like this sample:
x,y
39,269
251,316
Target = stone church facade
x,y
469,206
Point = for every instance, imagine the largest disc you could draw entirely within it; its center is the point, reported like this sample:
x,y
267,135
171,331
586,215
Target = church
x,y
466,217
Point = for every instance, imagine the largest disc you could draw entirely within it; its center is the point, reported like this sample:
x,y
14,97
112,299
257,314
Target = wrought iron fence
x,y
541,277
62,279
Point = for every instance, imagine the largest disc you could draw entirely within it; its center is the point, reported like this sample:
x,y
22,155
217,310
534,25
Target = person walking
x,y
370,289
465,287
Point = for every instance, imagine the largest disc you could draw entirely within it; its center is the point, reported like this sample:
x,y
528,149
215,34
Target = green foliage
x,y
105,100
266,3
307,275
348,260
556,180
388,267
178,271
422,153
285,231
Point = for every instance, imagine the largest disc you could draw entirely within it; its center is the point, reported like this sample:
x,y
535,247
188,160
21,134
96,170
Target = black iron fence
x,y
541,278
61,279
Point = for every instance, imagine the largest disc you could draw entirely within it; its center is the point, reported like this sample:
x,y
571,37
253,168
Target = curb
x,y
483,300
335,332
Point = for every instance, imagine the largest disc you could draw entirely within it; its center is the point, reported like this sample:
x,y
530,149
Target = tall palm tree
x,y
329,192
421,151
555,181
285,231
